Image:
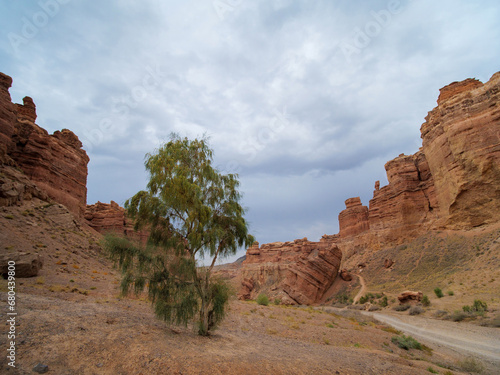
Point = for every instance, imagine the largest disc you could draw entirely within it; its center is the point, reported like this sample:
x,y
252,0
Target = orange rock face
x,y
461,140
111,218
56,163
299,272
453,181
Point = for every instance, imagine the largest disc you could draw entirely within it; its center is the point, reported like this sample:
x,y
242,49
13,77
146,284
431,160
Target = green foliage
x,y
439,292
384,302
426,301
432,371
191,211
262,299
451,293
277,301
406,342
479,307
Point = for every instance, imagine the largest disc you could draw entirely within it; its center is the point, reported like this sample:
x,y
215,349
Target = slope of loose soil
x,y
465,263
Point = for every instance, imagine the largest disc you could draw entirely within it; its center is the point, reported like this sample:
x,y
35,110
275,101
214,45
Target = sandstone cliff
x,y
55,163
452,182
111,218
300,271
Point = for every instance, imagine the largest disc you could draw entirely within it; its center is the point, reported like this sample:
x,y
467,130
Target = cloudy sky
x,y
306,100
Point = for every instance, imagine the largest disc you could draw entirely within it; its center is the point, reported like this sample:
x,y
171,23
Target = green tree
x,y
192,212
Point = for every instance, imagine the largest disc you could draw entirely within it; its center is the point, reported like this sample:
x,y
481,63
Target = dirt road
x,y
460,337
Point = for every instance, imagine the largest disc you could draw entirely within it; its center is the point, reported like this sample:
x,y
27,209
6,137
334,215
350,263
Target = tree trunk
x,y
203,324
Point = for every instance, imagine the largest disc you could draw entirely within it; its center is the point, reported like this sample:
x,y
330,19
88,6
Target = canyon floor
x,y
72,319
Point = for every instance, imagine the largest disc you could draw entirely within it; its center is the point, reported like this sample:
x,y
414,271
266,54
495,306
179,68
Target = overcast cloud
x,y
306,100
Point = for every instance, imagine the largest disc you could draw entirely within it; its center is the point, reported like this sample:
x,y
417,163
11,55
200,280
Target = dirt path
x,y
460,337
362,291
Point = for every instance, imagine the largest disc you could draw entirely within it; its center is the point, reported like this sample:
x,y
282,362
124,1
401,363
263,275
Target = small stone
x,y
41,369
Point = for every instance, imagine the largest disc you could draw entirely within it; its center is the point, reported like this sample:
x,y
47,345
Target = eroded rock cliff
x,y
298,271
55,163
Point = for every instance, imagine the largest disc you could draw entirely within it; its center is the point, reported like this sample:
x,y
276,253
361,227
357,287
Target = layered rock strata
x,y
55,163
111,218
299,272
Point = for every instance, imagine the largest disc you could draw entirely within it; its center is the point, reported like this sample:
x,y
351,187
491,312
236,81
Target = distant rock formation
x,y
298,272
111,218
55,163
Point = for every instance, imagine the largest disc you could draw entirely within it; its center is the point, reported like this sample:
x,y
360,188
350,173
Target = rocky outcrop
x,y
56,163
410,297
297,272
452,182
111,218
461,140
26,264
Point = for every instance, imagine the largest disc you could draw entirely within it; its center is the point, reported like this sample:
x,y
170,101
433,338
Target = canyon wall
x,y
452,182
111,218
55,163
296,272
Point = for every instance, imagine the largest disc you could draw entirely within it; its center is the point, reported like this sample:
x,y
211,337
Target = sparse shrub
x,y
469,364
40,280
478,307
391,330
262,299
426,301
451,293
404,307
10,217
416,310
374,308
384,302
343,298
406,342
432,371
357,345
326,341
439,292
458,316
71,281
277,301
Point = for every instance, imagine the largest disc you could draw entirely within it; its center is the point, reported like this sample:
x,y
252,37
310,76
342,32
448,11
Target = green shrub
x,y
277,301
262,299
439,293
384,302
406,342
451,293
432,371
426,301
478,307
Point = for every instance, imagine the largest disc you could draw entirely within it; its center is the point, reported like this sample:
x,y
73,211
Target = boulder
x,y
27,264
410,297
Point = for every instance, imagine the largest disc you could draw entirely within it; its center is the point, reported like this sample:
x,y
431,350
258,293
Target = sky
x,y
305,100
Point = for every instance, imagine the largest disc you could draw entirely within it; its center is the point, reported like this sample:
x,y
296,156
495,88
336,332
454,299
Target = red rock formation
x,y
56,163
345,275
301,270
111,218
354,219
410,297
461,140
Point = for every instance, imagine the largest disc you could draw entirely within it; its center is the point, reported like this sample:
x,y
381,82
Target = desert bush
x,y
451,293
426,301
469,364
416,310
374,308
438,292
262,299
493,322
478,307
402,307
277,301
432,371
406,342
458,316
384,302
